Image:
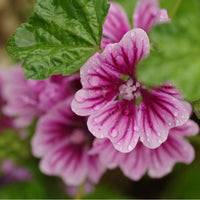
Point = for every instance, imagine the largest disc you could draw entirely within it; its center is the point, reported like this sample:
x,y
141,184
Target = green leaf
x,y
185,7
11,146
185,184
177,56
60,36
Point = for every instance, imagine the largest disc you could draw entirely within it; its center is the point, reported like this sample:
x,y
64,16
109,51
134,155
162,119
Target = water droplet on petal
x,y
135,140
160,141
109,48
159,134
136,128
96,119
93,62
100,128
81,95
113,132
130,147
97,107
175,114
133,34
98,70
118,57
93,81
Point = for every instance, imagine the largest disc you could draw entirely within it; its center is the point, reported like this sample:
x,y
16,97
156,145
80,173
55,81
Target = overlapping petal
x,y
109,156
67,161
53,128
61,142
145,13
95,168
56,89
157,162
99,87
115,26
118,122
169,89
100,76
28,99
190,128
21,99
162,159
124,56
134,164
159,113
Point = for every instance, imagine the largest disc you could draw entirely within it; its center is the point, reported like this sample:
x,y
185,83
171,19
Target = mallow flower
x,y
120,107
11,173
157,162
63,142
147,14
28,99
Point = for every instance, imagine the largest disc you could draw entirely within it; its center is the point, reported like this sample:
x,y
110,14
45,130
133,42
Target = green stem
x,y
175,8
79,193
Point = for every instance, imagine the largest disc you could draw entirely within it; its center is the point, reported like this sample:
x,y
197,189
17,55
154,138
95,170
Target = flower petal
x,y
169,89
99,87
57,125
159,113
115,26
145,13
123,57
162,159
190,128
134,164
118,122
108,155
67,161
95,168
161,17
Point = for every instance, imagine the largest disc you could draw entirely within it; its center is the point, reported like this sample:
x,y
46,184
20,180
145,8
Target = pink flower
x,y
13,173
147,14
62,141
29,99
158,162
119,106
5,121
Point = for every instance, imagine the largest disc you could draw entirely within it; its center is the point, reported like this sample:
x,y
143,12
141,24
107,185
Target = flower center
x,y
77,136
130,90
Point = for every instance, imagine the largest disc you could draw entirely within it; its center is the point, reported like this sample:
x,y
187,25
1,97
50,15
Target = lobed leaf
x,y
60,36
176,57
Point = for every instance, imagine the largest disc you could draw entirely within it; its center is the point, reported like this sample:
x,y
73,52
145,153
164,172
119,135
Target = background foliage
x,y
177,60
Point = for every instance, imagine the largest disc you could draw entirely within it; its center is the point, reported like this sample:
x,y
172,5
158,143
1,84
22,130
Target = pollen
x,y
129,90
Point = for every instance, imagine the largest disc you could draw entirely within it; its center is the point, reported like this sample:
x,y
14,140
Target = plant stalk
x,y
175,8
80,191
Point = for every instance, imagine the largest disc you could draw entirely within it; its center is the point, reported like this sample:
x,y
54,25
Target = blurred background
x,y
19,173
